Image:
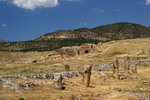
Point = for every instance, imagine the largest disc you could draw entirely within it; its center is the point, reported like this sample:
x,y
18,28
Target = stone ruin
x,y
68,52
129,67
58,77
116,68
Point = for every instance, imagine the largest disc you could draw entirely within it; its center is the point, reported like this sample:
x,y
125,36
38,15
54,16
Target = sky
x,y
22,20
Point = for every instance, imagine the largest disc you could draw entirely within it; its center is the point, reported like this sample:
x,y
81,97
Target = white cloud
x,y
3,25
147,1
98,10
32,4
117,10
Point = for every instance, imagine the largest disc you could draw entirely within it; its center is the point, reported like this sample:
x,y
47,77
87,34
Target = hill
x,y
61,38
107,32
1,41
130,47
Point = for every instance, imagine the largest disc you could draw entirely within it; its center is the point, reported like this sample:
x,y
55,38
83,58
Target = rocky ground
x,y
18,84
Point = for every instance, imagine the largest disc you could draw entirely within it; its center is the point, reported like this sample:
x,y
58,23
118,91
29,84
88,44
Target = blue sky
x,y
22,20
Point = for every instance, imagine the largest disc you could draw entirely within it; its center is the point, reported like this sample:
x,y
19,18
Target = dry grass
x,y
138,49
101,88
17,56
131,47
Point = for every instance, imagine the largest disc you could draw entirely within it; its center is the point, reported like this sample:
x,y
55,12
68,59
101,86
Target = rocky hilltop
x,y
107,32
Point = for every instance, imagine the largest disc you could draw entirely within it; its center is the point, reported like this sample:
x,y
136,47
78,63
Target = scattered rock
x,y
122,77
145,81
10,84
129,75
102,74
29,84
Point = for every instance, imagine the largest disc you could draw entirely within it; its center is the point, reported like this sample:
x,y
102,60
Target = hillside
x,y
121,48
107,32
43,45
136,48
61,38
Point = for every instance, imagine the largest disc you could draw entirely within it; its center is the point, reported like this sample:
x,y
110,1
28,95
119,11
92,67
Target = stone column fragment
x,y
116,69
127,64
59,83
67,68
134,68
87,76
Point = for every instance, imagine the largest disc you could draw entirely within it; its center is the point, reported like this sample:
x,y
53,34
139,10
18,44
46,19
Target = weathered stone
x,y
59,83
134,68
127,66
29,84
87,76
67,68
102,75
122,77
116,69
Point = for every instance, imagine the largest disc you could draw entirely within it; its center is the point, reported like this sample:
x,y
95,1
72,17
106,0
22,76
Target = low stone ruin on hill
x,y
68,52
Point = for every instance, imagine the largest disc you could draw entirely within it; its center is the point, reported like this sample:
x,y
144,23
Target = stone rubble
x,y
9,84
130,75
28,84
44,76
102,74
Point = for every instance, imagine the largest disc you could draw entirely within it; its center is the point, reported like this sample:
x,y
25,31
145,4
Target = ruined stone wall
x,y
53,57
69,74
67,52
